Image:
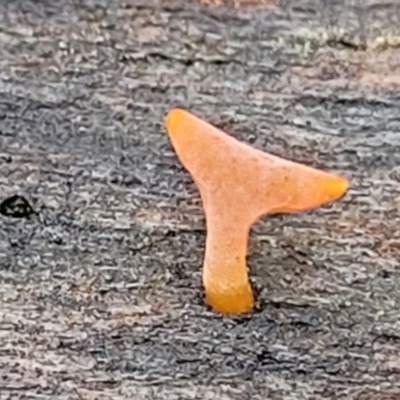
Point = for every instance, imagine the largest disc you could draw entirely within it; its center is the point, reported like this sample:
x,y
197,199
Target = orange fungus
x,y
238,184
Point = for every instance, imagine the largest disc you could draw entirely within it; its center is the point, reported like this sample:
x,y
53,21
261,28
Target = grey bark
x,y
100,290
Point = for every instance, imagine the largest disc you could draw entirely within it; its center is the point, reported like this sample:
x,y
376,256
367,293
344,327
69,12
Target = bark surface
x,y
100,257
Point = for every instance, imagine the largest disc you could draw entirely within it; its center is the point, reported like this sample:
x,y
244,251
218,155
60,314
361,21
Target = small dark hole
x,y
16,207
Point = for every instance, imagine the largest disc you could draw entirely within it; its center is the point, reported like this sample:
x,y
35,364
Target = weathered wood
x,y
101,289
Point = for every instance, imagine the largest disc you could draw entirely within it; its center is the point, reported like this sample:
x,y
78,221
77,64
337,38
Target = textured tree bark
x,y
100,285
